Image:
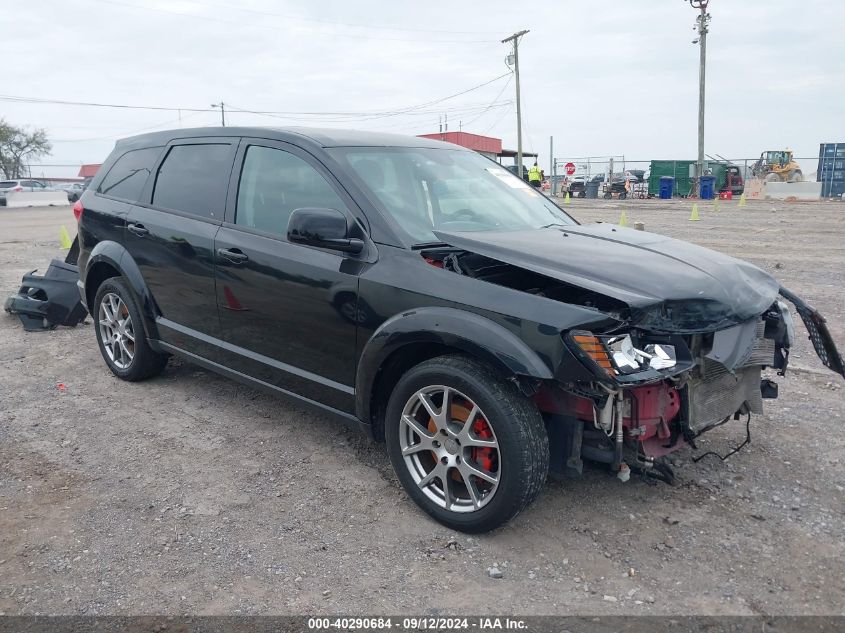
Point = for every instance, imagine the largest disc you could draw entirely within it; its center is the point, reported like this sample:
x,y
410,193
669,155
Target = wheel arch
x,y
416,336
110,259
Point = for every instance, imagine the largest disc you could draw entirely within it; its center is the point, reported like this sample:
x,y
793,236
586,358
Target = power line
x,y
128,132
38,100
493,104
374,115
279,114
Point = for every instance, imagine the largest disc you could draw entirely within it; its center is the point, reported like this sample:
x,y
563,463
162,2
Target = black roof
x,y
323,137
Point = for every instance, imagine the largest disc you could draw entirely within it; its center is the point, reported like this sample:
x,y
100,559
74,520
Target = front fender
x,y
116,256
458,329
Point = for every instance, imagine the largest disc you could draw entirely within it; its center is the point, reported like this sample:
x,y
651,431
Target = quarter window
x,y
193,179
274,183
127,177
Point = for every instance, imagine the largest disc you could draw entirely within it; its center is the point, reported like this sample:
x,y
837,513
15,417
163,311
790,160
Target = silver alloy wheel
x,y
450,449
116,330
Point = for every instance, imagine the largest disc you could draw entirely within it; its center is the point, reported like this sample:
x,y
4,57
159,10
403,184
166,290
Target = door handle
x,y
234,255
138,229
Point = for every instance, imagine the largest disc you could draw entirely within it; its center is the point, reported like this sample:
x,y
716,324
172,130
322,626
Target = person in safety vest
x,y
534,176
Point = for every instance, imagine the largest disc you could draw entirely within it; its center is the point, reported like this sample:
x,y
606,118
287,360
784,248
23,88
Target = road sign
x,y
570,168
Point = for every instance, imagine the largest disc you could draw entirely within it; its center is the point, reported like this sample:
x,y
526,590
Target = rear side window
x,y
8,184
193,179
127,176
274,183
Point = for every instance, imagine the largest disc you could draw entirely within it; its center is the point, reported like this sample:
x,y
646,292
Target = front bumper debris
x,y
819,334
45,302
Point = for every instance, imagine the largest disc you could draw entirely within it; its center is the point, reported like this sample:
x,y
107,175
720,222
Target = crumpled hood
x,y
669,285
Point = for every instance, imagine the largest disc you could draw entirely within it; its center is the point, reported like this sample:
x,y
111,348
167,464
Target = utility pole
x,y
552,164
515,39
702,21
222,107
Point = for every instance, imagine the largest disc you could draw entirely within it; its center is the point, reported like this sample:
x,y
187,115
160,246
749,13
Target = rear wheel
x,y
465,444
120,333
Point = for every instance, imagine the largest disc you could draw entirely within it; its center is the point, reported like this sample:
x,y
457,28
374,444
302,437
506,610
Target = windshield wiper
x,y
548,226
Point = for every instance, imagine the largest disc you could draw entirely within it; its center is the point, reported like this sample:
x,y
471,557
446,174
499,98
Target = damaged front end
x,y
656,393
693,332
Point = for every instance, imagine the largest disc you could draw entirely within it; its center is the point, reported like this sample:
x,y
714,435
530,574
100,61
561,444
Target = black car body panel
x,y
44,302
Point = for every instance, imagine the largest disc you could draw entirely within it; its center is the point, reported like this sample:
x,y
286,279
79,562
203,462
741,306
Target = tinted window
x,y
193,179
273,184
8,184
127,176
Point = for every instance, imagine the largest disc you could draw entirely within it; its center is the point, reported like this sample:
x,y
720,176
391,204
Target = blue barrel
x,y
667,187
592,189
708,187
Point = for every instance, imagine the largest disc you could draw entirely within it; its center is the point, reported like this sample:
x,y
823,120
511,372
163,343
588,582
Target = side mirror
x,y
325,228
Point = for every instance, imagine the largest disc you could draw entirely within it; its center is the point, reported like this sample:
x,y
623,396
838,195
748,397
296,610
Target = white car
x,y
21,185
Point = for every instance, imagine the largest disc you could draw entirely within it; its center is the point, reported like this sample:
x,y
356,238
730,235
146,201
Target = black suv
x,y
431,296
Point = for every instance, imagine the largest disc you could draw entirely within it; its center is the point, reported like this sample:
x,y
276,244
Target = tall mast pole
x,y
515,39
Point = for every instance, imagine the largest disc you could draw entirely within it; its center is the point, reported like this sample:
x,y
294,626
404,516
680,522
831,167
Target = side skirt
x,y
254,382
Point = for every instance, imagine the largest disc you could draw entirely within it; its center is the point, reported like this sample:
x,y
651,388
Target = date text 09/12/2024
x,y
421,623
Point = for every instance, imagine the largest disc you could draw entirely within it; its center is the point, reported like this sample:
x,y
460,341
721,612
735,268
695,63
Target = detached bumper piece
x,y
819,334
43,303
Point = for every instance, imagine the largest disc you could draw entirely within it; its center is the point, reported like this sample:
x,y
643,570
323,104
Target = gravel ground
x,y
191,494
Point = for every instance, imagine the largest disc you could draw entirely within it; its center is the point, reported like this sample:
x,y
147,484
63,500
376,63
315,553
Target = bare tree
x,y
18,145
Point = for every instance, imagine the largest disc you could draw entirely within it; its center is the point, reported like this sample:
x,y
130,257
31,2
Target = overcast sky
x,y
616,77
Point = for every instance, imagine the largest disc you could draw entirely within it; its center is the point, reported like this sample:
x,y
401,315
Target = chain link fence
x,y
637,172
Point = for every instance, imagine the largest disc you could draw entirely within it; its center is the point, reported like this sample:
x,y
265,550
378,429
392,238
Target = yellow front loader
x,y
777,166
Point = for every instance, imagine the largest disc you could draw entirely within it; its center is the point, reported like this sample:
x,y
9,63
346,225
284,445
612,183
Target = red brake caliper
x,y
483,456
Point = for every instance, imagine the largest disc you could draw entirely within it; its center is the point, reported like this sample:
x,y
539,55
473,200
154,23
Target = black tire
x,y
145,362
523,444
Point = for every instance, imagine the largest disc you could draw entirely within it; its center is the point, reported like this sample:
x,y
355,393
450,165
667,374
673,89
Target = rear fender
x,y
116,256
462,331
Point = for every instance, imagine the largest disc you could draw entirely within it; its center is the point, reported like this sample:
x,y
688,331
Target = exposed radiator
x,y
716,397
719,393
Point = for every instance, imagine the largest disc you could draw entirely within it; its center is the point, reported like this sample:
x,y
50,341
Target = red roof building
x,y
88,171
487,145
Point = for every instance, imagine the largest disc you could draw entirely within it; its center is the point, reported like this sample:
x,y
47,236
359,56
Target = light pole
x,y
702,21
515,39
222,107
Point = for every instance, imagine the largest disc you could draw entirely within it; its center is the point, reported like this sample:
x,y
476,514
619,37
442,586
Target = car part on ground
x,y
45,302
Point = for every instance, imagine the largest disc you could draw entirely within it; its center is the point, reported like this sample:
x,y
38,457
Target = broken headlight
x,y
615,355
628,359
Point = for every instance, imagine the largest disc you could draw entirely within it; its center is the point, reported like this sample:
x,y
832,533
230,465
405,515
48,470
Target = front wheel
x,y
468,448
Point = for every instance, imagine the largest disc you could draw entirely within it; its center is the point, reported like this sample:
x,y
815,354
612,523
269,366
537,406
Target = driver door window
x,y
273,184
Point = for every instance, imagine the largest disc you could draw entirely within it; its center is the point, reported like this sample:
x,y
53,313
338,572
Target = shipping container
x,y
831,170
683,171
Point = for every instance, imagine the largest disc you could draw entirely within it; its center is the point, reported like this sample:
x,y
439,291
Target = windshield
x,y
427,190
